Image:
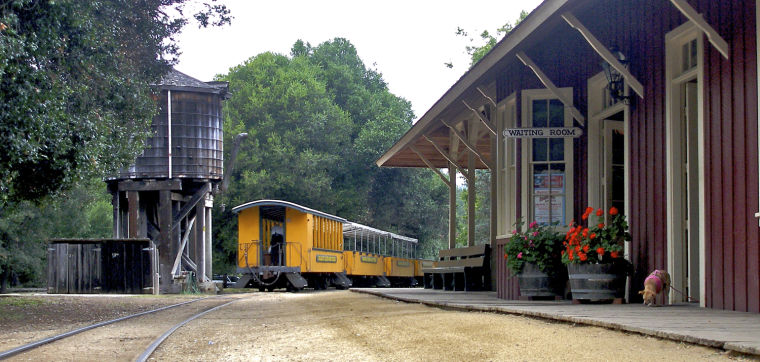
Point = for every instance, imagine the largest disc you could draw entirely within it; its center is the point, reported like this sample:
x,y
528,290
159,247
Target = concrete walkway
x,y
734,331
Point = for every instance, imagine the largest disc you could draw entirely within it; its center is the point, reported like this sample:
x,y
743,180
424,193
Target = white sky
x,y
407,41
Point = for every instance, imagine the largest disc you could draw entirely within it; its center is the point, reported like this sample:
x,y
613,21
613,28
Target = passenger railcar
x,y
282,244
401,261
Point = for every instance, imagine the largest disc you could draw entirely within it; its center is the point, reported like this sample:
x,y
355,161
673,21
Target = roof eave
x,y
473,76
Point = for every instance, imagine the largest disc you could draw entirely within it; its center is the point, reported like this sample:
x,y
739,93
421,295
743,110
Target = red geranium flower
x,y
599,212
583,257
601,225
585,248
613,211
614,254
600,250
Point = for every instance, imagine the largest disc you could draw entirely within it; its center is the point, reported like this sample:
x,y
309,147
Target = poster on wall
x,y
548,197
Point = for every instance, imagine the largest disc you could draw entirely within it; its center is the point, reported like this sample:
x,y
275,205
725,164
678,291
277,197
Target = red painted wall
x,y
638,28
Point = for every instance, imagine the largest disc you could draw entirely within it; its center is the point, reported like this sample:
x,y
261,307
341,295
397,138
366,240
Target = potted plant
x,y
594,257
533,255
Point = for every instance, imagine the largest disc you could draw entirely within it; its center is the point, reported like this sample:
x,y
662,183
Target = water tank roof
x,y
176,80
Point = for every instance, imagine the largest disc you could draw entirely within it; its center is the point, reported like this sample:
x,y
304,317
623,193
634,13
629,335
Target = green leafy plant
x,y
540,244
598,243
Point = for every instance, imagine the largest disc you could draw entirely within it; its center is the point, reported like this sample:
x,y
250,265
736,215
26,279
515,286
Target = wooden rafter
x,y
447,157
550,85
712,35
486,122
485,96
470,146
605,53
430,165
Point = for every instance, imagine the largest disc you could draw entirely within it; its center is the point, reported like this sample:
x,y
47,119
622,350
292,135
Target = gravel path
x,y
343,326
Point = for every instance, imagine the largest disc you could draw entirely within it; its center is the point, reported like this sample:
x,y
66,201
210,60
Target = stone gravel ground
x,y
346,326
336,326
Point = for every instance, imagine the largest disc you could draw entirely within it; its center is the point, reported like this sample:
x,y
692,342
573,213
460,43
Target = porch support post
x,y
430,165
452,207
470,146
550,85
605,53
690,13
472,135
485,121
453,148
446,156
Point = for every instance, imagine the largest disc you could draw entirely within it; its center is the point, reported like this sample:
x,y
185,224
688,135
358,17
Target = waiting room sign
x,y
543,132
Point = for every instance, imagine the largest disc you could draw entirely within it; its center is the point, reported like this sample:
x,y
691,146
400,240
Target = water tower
x,y
167,195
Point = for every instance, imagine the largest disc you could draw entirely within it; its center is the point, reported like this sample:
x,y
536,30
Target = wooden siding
x,y
638,28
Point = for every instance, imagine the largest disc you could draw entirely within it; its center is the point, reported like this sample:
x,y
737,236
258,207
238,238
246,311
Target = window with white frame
x,y
507,209
548,162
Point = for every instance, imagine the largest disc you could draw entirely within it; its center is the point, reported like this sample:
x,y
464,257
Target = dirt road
x,y
341,325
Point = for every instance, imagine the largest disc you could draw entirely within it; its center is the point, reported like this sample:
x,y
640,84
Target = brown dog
x,y
658,281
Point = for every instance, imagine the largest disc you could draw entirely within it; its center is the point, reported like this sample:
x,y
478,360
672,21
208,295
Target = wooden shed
x,y
85,266
665,96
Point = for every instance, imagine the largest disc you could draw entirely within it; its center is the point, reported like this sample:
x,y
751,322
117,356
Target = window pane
x,y
685,57
618,148
539,149
557,149
558,209
539,113
557,167
693,54
556,113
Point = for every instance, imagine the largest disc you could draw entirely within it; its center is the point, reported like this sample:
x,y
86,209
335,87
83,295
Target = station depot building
x,y
648,106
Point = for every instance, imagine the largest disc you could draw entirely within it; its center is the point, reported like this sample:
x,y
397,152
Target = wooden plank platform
x,y
733,331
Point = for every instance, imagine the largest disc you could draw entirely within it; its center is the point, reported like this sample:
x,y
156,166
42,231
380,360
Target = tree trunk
x,y
5,277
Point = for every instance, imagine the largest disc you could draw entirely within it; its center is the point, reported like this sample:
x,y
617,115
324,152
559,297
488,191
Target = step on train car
x,y
286,245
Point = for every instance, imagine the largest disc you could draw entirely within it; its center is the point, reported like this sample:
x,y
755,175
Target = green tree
x,y
317,121
487,40
83,211
76,102
75,98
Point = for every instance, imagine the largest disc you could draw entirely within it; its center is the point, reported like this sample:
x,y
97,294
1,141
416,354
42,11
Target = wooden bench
x,y
465,269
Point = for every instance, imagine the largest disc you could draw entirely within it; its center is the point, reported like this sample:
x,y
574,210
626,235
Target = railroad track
x,y
186,311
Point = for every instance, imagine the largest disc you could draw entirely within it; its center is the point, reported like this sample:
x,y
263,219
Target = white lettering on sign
x,y
559,132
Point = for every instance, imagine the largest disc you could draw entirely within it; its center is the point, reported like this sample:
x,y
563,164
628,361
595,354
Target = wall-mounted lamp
x,y
615,81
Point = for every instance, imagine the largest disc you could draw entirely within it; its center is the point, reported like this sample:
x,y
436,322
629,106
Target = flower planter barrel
x,y
535,283
596,282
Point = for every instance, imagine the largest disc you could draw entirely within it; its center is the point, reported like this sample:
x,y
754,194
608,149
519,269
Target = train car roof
x,y
351,227
288,204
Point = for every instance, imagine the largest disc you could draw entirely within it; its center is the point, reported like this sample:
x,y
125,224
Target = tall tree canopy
x,y
75,103
74,85
317,121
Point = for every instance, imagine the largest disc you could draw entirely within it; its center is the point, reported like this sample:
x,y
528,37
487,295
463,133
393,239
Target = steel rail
x,y
29,346
146,354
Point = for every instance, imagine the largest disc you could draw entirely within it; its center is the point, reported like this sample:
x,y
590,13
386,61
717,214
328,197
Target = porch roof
x,y
474,88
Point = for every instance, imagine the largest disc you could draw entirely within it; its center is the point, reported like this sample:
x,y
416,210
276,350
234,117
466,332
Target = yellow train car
x,y
401,261
363,254
283,244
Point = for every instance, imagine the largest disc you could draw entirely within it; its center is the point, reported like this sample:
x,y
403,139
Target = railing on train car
x,y
275,255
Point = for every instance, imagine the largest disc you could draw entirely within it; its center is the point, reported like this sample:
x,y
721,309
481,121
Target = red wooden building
x,y
669,134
